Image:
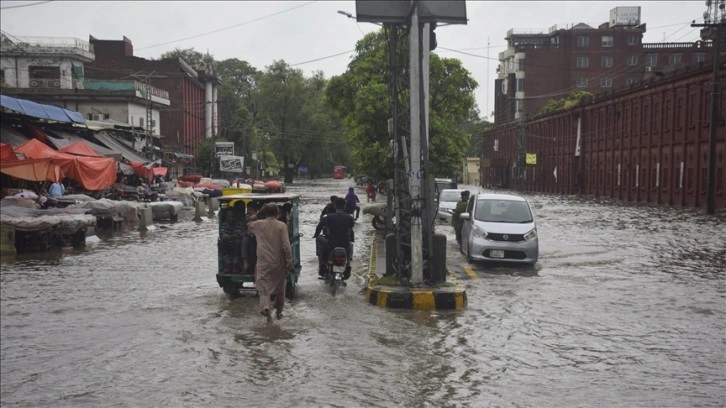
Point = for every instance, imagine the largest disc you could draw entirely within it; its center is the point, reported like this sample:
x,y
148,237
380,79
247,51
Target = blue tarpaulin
x,y
37,110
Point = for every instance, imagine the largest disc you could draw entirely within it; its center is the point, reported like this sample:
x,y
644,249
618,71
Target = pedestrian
x,y
460,208
57,189
351,203
371,191
274,260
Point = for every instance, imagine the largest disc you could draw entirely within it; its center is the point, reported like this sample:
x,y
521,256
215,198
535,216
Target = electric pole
x,y
714,23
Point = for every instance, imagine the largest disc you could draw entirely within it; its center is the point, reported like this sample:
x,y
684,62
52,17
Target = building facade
x,y
538,67
186,120
648,143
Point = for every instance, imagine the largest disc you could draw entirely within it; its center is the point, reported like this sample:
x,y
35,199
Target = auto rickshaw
x,y
241,275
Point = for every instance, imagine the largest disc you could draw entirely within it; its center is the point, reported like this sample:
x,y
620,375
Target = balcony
x,y
44,83
697,44
47,46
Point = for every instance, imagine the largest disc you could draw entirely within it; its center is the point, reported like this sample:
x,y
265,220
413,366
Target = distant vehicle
x,y
445,183
339,172
499,227
448,199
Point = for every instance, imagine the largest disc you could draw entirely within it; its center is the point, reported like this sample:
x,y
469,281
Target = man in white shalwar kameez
x,y
274,260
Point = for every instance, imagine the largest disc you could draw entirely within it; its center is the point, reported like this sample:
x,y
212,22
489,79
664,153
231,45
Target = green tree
x,y
573,99
194,58
362,99
238,106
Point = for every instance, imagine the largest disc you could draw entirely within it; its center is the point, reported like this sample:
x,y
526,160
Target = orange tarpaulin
x,y
6,152
32,169
94,173
79,149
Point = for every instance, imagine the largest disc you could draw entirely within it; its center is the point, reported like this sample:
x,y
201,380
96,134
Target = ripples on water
x,y
624,309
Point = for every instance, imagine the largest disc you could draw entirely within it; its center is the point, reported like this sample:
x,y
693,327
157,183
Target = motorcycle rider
x,y
329,208
339,227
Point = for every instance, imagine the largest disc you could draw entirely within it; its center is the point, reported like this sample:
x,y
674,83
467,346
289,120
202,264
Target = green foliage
x,y
361,97
568,102
194,58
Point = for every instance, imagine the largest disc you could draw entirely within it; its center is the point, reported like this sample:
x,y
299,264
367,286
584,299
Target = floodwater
x,y
625,308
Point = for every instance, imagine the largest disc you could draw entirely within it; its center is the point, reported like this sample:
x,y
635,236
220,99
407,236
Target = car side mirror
x,y
464,216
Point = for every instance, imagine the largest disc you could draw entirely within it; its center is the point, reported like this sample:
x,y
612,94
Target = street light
x,y
345,13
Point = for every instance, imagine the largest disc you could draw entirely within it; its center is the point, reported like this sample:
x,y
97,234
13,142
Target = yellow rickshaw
x,y
236,256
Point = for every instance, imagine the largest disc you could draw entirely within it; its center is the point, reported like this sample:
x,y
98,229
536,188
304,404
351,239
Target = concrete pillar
x,y
199,207
145,218
213,206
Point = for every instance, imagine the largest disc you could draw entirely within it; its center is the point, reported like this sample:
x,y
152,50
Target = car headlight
x,y
478,232
530,235
449,210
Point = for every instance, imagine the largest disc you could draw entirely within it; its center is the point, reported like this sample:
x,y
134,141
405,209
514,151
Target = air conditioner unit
x,y
648,69
97,116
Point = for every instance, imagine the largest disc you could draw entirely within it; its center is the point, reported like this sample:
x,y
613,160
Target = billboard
x,y
232,164
398,11
223,149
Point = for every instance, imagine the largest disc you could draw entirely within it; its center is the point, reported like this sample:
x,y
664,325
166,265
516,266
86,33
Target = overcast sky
x,y
311,35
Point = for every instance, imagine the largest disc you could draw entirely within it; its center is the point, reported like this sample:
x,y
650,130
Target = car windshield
x,y
450,196
502,211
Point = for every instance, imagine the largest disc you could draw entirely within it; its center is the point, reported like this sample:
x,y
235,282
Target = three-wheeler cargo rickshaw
x,y
236,256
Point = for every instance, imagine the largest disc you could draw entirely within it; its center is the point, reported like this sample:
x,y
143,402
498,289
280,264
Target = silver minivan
x,y
499,227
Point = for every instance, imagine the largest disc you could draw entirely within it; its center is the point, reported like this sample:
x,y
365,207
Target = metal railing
x,y
44,83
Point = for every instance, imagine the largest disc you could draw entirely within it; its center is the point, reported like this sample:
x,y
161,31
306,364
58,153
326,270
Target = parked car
x,y
444,183
499,227
448,198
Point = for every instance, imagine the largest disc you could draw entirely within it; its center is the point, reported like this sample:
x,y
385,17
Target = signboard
x,y
223,149
398,11
232,164
531,158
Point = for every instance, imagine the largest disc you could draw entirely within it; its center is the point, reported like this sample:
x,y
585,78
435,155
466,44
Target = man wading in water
x,y
274,260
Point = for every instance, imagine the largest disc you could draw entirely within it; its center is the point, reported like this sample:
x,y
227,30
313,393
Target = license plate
x,y
339,269
496,253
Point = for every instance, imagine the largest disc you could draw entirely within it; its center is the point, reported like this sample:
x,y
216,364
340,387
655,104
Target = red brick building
x,y
648,143
538,67
184,122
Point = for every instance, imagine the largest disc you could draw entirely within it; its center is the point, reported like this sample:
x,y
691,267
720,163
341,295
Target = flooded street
x,y
625,308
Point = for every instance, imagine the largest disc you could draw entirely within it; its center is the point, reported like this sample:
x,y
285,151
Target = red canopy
x,y
32,169
79,149
6,152
94,173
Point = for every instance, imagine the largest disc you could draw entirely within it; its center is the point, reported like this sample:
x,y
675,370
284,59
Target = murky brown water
x,y
626,308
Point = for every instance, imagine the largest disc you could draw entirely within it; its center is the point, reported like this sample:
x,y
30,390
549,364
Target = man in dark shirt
x,y
340,232
329,208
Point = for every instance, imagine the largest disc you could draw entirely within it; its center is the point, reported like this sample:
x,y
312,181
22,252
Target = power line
x,y
227,28
25,5
322,58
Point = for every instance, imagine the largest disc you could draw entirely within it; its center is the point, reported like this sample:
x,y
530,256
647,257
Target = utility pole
x,y
521,150
714,24
415,174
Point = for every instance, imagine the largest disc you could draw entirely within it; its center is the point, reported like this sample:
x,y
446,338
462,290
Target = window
x,y
631,81
520,84
581,82
44,77
583,41
632,60
699,57
2,77
582,62
606,82
675,59
520,64
519,105
651,60
607,41
606,62
632,40
141,122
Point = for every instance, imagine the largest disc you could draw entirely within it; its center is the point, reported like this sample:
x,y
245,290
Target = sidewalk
x,y
399,297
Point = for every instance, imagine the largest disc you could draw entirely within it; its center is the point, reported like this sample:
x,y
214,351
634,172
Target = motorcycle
x,y
336,268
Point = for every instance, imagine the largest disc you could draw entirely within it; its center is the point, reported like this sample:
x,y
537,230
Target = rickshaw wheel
x,y
229,288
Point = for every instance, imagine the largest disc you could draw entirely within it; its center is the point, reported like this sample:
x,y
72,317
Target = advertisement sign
x,y
233,164
532,158
223,149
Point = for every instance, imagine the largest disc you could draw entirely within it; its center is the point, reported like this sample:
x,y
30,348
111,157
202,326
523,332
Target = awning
x,y
183,155
118,147
41,111
61,140
32,169
11,136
